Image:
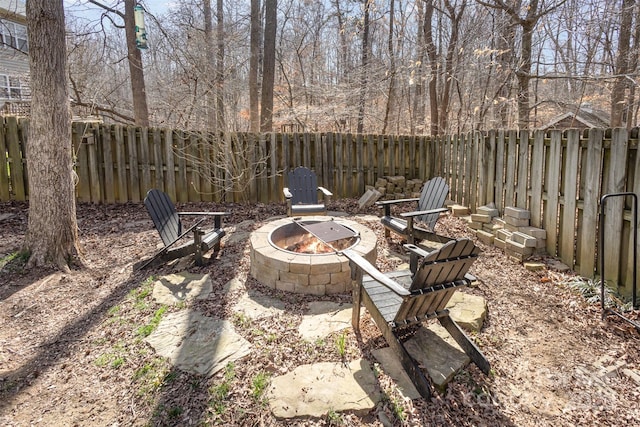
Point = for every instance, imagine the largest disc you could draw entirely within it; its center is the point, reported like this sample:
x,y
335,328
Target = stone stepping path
x,y
196,343
174,288
203,345
314,390
323,319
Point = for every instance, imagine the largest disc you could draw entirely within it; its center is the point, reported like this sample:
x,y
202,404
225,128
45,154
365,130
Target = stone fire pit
x,y
275,262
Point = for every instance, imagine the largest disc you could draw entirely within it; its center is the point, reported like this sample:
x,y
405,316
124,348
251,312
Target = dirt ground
x,y
71,348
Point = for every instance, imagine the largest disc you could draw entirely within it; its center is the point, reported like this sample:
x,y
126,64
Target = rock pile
x,y
511,233
398,187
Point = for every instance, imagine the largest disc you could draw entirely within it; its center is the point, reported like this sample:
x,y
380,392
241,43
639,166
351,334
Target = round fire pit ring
x,y
277,263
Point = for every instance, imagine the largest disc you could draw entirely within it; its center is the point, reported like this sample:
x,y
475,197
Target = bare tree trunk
x,y
392,70
140,110
209,92
344,46
620,85
269,66
220,116
52,235
433,62
418,75
254,63
365,63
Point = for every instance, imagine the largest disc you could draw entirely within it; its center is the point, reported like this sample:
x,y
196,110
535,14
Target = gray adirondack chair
x,y
301,193
401,298
166,221
419,224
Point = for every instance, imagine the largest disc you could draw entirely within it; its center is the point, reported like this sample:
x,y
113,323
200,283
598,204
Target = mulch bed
x,y
71,348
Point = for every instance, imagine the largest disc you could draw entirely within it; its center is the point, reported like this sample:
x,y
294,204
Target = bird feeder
x,y
141,32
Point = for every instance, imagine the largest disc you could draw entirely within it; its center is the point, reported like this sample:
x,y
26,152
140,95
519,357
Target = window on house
x,y
11,87
14,35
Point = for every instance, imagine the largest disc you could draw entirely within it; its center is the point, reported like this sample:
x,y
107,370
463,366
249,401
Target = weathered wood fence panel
x,y
560,177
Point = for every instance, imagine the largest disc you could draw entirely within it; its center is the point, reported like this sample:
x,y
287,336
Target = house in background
x,y
14,58
583,117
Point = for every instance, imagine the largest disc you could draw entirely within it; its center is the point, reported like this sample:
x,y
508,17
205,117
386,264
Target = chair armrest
x,y
418,213
205,213
287,193
396,201
375,274
325,191
416,250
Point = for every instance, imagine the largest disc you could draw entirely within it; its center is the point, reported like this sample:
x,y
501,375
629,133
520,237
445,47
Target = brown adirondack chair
x,y
166,221
401,298
302,193
419,224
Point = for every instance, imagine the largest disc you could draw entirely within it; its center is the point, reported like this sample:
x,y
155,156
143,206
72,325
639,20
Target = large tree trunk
x,y
269,66
52,235
138,90
254,63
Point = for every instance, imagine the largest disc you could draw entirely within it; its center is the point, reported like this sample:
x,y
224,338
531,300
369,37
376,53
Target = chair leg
x,y
197,240
467,345
412,369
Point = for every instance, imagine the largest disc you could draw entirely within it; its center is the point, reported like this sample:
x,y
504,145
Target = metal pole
x,y
604,198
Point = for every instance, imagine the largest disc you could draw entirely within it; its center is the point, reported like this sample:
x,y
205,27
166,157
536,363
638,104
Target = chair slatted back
x,y
433,195
303,185
164,215
437,278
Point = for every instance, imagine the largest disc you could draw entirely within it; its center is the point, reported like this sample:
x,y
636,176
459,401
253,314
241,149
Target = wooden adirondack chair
x,y
168,224
400,298
302,193
429,206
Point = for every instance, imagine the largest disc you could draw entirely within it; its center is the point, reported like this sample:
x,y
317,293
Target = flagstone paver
x,y
323,319
438,352
468,310
314,390
196,343
174,288
256,305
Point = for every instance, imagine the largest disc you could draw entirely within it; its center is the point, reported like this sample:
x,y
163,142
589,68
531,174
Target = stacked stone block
x,y
511,233
397,187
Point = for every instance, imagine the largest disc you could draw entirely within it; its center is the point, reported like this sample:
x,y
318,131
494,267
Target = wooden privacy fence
x,y
121,163
558,176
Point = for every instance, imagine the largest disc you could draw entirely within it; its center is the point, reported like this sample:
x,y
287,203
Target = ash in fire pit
x,y
292,255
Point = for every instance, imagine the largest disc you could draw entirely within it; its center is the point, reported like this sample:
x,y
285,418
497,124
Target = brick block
x,y
480,218
499,221
369,198
538,233
498,243
519,248
491,228
503,234
458,210
534,266
518,257
519,213
516,222
524,239
486,210
485,237
475,225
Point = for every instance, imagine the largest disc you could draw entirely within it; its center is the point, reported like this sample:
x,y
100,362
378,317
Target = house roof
x,y
583,118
